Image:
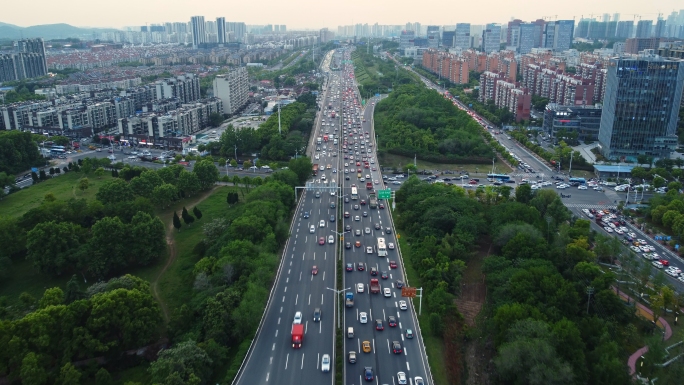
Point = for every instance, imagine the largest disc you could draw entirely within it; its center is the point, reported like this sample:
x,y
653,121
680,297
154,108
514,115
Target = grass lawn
x,y
434,346
62,187
394,161
175,287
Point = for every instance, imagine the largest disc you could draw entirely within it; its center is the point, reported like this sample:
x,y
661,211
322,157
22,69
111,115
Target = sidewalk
x,y
648,314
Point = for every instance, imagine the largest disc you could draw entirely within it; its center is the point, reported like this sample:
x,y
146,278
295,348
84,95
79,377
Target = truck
x,y
373,200
332,114
349,299
315,169
325,138
374,286
319,140
369,185
297,335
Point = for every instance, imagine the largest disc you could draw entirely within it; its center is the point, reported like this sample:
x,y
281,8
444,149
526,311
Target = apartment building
x,y
505,93
185,87
233,89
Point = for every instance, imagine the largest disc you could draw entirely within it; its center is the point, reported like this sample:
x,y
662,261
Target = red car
x,y
363,202
360,267
665,262
382,206
392,321
321,241
350,267
314,270
393,264
378,325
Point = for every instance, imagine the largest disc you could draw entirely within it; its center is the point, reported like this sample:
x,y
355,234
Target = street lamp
x,y
338,310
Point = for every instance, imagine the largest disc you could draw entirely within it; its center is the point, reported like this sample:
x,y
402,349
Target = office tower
x,y
199,35
462,36
491,38
641,107
406,39
233,89
624,29
644,28
221,29
524,36
659,28
558,35
513,33
448,39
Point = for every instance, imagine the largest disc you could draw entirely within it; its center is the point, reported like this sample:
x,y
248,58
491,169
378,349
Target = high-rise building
x,y
659,28
558,35
448,39
27,61
462,36
641,107
199,35
406,39
185,87
624,29
238,29
233,89
585,120
644,28
221,29
491,38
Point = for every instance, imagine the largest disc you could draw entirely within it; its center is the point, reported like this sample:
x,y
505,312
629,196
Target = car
x,y
317,314
379,325
363,318
373,271
367,230
393,264
390,246
321,241
396,347
399,284
357,232
350,267
365,213
363,202
325,363
321,223
357,244
314,270
332,205
359,288
657,264
297,318
391,321
377,226
388,230
402,305
369,250
312,229
346,214
409,333
347,245
368,373
318,194
381,206
306,214
418,381
387,292
346,199
357,218
401,378
356,207
351,357
384,275
347,228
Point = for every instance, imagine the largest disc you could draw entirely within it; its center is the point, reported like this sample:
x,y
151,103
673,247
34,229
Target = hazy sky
x,y
317,14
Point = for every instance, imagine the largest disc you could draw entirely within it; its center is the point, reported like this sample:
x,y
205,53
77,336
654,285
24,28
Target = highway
x,y
579,199
412,360
272,358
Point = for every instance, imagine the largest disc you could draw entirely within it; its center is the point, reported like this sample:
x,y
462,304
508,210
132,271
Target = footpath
x,y
648,314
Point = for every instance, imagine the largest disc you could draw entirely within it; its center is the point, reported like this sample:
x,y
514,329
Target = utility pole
x,y
570,169
279,130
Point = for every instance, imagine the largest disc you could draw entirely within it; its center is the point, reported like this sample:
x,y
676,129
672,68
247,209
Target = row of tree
x,y
18,152
544,327
415,120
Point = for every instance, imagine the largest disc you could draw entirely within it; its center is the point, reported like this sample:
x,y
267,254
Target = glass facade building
x,y
585,120
641,107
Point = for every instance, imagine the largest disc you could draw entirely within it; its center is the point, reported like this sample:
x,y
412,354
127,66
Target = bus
x,y
501,177
354,193
61,148
578,180
382,249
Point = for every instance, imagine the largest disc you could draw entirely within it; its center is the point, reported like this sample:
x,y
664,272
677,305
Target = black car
x,y
368,373
391,321
373,271
346,177
347,245
384,275
332,205
396,347
306,214
388,230
399,284
332,218
347,228
317,314
377,226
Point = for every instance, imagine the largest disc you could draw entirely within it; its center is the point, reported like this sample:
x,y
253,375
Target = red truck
x,y
374,286
325,138
369,185
298,335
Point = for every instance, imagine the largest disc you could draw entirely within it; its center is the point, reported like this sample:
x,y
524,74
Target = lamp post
x,y
338,311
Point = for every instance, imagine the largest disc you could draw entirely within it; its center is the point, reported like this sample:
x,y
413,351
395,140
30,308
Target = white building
x,y
233,89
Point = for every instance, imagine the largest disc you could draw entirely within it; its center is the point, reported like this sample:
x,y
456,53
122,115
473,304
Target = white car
x,y
369,250
325,363
363,317
657,264
312,229
331,239
387,292
582,187
390,246
402,305
401,378
673,272
681,278
297,318
359,288
321,223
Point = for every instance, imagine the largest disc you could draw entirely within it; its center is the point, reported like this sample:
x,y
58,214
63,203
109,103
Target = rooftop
x,y
611,168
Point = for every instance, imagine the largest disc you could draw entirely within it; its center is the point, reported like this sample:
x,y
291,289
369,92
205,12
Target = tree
x,y
42,175
233,163
102,377
301,166
187,218
69,375
52,297
188,182
83,184
232,197
185,360
12,237
34,176
246,164
207,173
176,221
52,171
197,212
523,193
51,246
115,191
73,291
215,119
99,172
163,195
32,372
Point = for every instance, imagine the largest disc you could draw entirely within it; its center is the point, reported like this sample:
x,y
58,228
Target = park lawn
x,y
63,187
175,286
395,161
434,346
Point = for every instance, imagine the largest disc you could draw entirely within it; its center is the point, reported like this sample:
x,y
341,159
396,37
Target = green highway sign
x,y
384,194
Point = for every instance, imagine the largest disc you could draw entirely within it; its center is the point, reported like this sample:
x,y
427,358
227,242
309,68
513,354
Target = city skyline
x,y
306,14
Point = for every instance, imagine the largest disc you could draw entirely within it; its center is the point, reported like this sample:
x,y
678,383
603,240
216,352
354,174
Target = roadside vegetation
x,y
539,325
414,120
376,75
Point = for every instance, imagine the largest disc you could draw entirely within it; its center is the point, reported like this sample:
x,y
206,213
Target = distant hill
x,y
47,31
